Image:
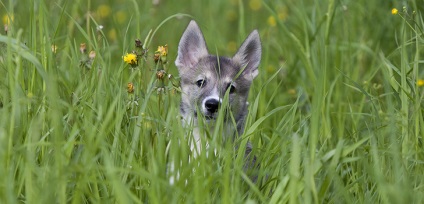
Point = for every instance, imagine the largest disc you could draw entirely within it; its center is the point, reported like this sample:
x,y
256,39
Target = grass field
x,y
336,113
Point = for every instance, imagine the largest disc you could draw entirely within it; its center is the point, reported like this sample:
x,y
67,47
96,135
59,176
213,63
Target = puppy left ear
x,y
192,48
249,55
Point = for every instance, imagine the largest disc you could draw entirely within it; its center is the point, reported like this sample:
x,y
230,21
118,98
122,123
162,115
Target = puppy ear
x,y
192,47
249,55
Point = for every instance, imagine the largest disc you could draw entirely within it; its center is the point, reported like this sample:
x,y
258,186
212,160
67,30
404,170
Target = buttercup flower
x,y
130,87
112,34
255,4
130,59
7,19
292,91
163,50
420,82
394,11
161,54
104,11
271,21
121,17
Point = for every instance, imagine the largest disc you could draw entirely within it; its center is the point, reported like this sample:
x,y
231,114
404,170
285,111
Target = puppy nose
x,y
211,105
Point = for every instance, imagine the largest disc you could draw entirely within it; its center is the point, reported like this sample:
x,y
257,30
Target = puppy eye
x,y
232,88
200,83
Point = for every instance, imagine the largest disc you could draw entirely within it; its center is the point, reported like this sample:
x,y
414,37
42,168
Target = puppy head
x,y
206,78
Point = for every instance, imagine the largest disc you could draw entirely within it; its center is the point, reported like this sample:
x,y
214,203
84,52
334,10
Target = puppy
x,y
207,78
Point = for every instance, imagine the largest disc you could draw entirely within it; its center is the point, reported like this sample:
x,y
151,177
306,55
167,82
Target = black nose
x,y
212,105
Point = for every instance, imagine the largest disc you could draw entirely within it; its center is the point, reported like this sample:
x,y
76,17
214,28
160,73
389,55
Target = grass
x,y
336,113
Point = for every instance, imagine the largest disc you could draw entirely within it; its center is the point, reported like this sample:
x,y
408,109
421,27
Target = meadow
x,y
336,113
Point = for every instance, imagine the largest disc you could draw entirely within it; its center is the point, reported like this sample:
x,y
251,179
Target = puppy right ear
x,y
249,55
192,47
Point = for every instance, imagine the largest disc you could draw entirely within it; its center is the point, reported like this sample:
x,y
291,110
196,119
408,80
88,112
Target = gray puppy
x,y
206,78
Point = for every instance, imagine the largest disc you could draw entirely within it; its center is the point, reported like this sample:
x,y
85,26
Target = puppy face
x,y
206,78
204,87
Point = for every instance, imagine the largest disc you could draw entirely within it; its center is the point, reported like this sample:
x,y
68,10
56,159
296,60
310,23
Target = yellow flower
x,y
7,19
121,17
161,54
104,11
292,91
270,69
112,34
271,21
420,82
394,11
162,50
130,87
255,4
130,59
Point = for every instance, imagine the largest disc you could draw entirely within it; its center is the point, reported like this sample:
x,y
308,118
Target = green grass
x,y
336,113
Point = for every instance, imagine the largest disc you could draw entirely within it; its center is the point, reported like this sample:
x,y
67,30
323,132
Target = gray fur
x,y
218,74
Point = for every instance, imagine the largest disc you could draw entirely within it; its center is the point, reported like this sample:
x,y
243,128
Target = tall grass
x,y
336,114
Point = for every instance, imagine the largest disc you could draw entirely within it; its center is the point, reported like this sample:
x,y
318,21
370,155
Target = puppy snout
x,y
212,105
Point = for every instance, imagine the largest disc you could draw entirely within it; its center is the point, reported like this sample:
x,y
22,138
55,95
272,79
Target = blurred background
x,y
364,24
348,74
